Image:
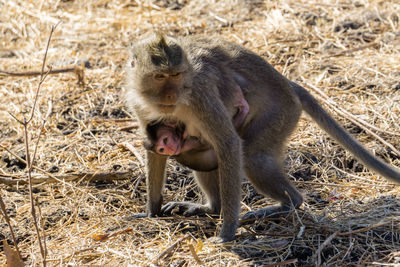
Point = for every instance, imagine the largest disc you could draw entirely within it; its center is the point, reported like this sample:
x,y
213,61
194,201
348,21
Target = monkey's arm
x,y
155,168
217,128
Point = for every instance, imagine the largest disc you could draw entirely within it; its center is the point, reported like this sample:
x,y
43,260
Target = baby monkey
x,y
170,138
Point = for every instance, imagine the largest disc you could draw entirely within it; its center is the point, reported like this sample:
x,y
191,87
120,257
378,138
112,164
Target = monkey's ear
x,y
132,55
133,62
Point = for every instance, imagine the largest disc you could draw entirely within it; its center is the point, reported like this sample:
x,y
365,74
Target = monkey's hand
x,y
186,209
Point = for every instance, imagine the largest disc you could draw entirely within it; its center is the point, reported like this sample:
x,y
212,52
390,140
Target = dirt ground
x,y
88,171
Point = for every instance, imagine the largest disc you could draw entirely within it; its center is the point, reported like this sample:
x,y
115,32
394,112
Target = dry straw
x,y
90,159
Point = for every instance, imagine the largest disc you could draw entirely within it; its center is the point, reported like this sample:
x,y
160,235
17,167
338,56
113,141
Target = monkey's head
x,y
158,67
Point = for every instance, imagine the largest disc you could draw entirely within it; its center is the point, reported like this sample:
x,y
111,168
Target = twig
x,y
70,177
136,186
104,237
194,254
111,120
134,152
360,260
29,162
171,248
40,133
78,68
365,229
3,209
322,246
129,127
43,74
224,21
42,225
282,263
141,161
37,73
359,185
375,43
49,178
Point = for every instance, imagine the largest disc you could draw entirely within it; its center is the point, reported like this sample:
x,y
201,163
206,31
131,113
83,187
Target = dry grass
x,y
350,50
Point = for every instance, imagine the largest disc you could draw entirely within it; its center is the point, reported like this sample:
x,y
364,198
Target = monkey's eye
x,y
165,140
160,76
176,75
161,150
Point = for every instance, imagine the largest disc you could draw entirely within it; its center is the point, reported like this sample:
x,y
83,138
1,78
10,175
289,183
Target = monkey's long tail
x,y
327,123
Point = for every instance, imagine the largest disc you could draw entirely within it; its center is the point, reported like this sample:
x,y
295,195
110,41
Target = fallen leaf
x,y
100,237
12,257
199,246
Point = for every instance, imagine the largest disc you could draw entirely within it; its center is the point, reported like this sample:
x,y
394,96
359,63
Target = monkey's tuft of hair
x,y
165,52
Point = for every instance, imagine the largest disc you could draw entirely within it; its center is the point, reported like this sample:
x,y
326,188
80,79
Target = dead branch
x,y
129,127
69,177
5,215
282,263
77,68
104,237
134,151
322,246
171,248
41,224
365,229
194,254
37,73
29,161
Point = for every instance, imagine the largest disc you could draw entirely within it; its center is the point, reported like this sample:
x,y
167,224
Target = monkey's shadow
x,y
298,236
296,239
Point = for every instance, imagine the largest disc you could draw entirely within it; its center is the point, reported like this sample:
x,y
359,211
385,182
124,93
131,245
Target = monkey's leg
x,y
155,175
209,183
265,173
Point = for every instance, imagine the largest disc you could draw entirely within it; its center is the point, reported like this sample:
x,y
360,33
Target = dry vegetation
x,y
350,50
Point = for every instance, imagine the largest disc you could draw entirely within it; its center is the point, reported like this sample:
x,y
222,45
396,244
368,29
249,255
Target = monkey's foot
x,y
185,209
268,212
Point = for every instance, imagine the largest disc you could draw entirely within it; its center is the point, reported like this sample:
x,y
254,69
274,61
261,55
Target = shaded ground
x,y
349,50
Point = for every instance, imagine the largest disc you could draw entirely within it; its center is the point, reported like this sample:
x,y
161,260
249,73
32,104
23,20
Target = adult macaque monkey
x,y
193,80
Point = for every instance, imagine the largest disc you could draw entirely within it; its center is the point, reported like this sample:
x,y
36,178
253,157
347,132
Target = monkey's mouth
x,y
167,108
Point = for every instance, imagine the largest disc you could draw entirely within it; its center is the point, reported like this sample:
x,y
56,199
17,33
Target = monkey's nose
x,y
171,98
165,140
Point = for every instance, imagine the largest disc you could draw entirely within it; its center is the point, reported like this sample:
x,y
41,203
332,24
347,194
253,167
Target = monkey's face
x,y
166,88
159,67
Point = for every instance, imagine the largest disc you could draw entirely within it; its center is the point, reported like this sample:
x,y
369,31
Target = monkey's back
x,y
227,64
